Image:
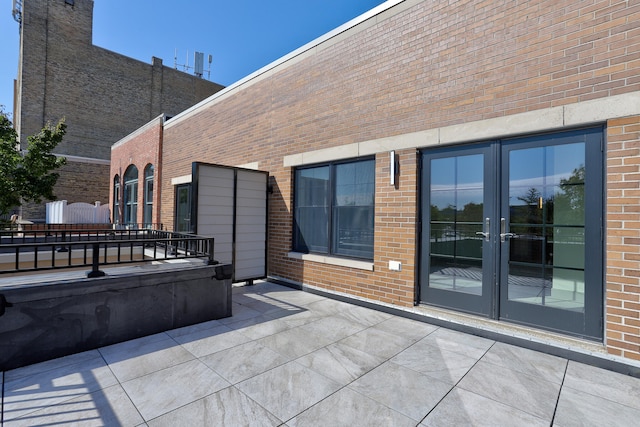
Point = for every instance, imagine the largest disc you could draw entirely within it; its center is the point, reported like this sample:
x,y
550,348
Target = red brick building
x,y
475,161
138,163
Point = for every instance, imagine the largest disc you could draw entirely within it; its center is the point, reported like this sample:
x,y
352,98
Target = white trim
x,y
546,119
516,124
599,110
184,179
252,166
325,259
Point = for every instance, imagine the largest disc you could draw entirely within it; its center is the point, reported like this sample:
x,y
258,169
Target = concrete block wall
x,y
414,75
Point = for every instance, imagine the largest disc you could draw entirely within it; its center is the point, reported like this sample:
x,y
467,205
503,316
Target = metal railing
x,y
69,233
42,228
65,249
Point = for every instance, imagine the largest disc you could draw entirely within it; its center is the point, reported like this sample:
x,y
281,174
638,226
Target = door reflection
x,y
456,223
547,218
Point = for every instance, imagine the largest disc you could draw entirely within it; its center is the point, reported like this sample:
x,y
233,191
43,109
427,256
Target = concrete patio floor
x,y
292,358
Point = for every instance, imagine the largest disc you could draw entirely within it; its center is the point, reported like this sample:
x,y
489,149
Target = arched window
x,y
130,195
116,199
148,196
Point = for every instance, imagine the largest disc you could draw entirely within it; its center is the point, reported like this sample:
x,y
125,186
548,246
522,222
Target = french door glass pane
x,y
547,218
183,209
116,203
148,201
131,202
456,218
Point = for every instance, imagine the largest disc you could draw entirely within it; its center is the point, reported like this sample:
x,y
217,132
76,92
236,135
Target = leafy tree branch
x,y
28,176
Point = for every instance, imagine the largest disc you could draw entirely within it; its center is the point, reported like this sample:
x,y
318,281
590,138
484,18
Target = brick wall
x,y
395,230
419,66
623,237
140,149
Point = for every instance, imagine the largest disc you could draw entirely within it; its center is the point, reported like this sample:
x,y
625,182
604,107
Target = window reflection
x,y
334,209
547,215
456,216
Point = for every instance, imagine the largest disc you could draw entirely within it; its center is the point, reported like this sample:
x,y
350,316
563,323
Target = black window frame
x,y
149,181
130,195
116,199
331,248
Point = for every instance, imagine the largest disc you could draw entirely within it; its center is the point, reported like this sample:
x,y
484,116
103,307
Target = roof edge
x,y
288,57
154,122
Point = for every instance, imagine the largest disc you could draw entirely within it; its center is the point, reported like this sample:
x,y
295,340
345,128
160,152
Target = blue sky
x,y
241,35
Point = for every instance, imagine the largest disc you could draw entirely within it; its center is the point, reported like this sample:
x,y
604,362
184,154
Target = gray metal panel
x,y
251,224
215,206
232,208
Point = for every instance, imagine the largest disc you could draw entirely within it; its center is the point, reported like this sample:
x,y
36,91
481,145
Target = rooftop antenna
x,y
198,64
16,11
185,67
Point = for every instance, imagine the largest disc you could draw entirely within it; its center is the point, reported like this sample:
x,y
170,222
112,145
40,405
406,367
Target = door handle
x,y
503,236
503,231
486,234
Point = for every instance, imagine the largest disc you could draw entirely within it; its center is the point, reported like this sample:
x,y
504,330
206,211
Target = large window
x,y
148,196
131,195
334,209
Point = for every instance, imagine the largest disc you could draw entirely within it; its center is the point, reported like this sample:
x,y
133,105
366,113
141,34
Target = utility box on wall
x,y
230,205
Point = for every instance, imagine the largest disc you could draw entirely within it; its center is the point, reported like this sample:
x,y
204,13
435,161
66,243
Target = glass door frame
x,y
590,323
189,220
484,304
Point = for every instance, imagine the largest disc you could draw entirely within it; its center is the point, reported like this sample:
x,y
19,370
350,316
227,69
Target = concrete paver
x,y
289,358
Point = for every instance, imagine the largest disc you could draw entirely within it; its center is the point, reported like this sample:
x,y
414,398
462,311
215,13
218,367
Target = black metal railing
x,y
95,248
40,227
71,232
143,225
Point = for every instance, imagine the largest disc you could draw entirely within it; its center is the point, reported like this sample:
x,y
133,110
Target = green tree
x,y
569,201
28,176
